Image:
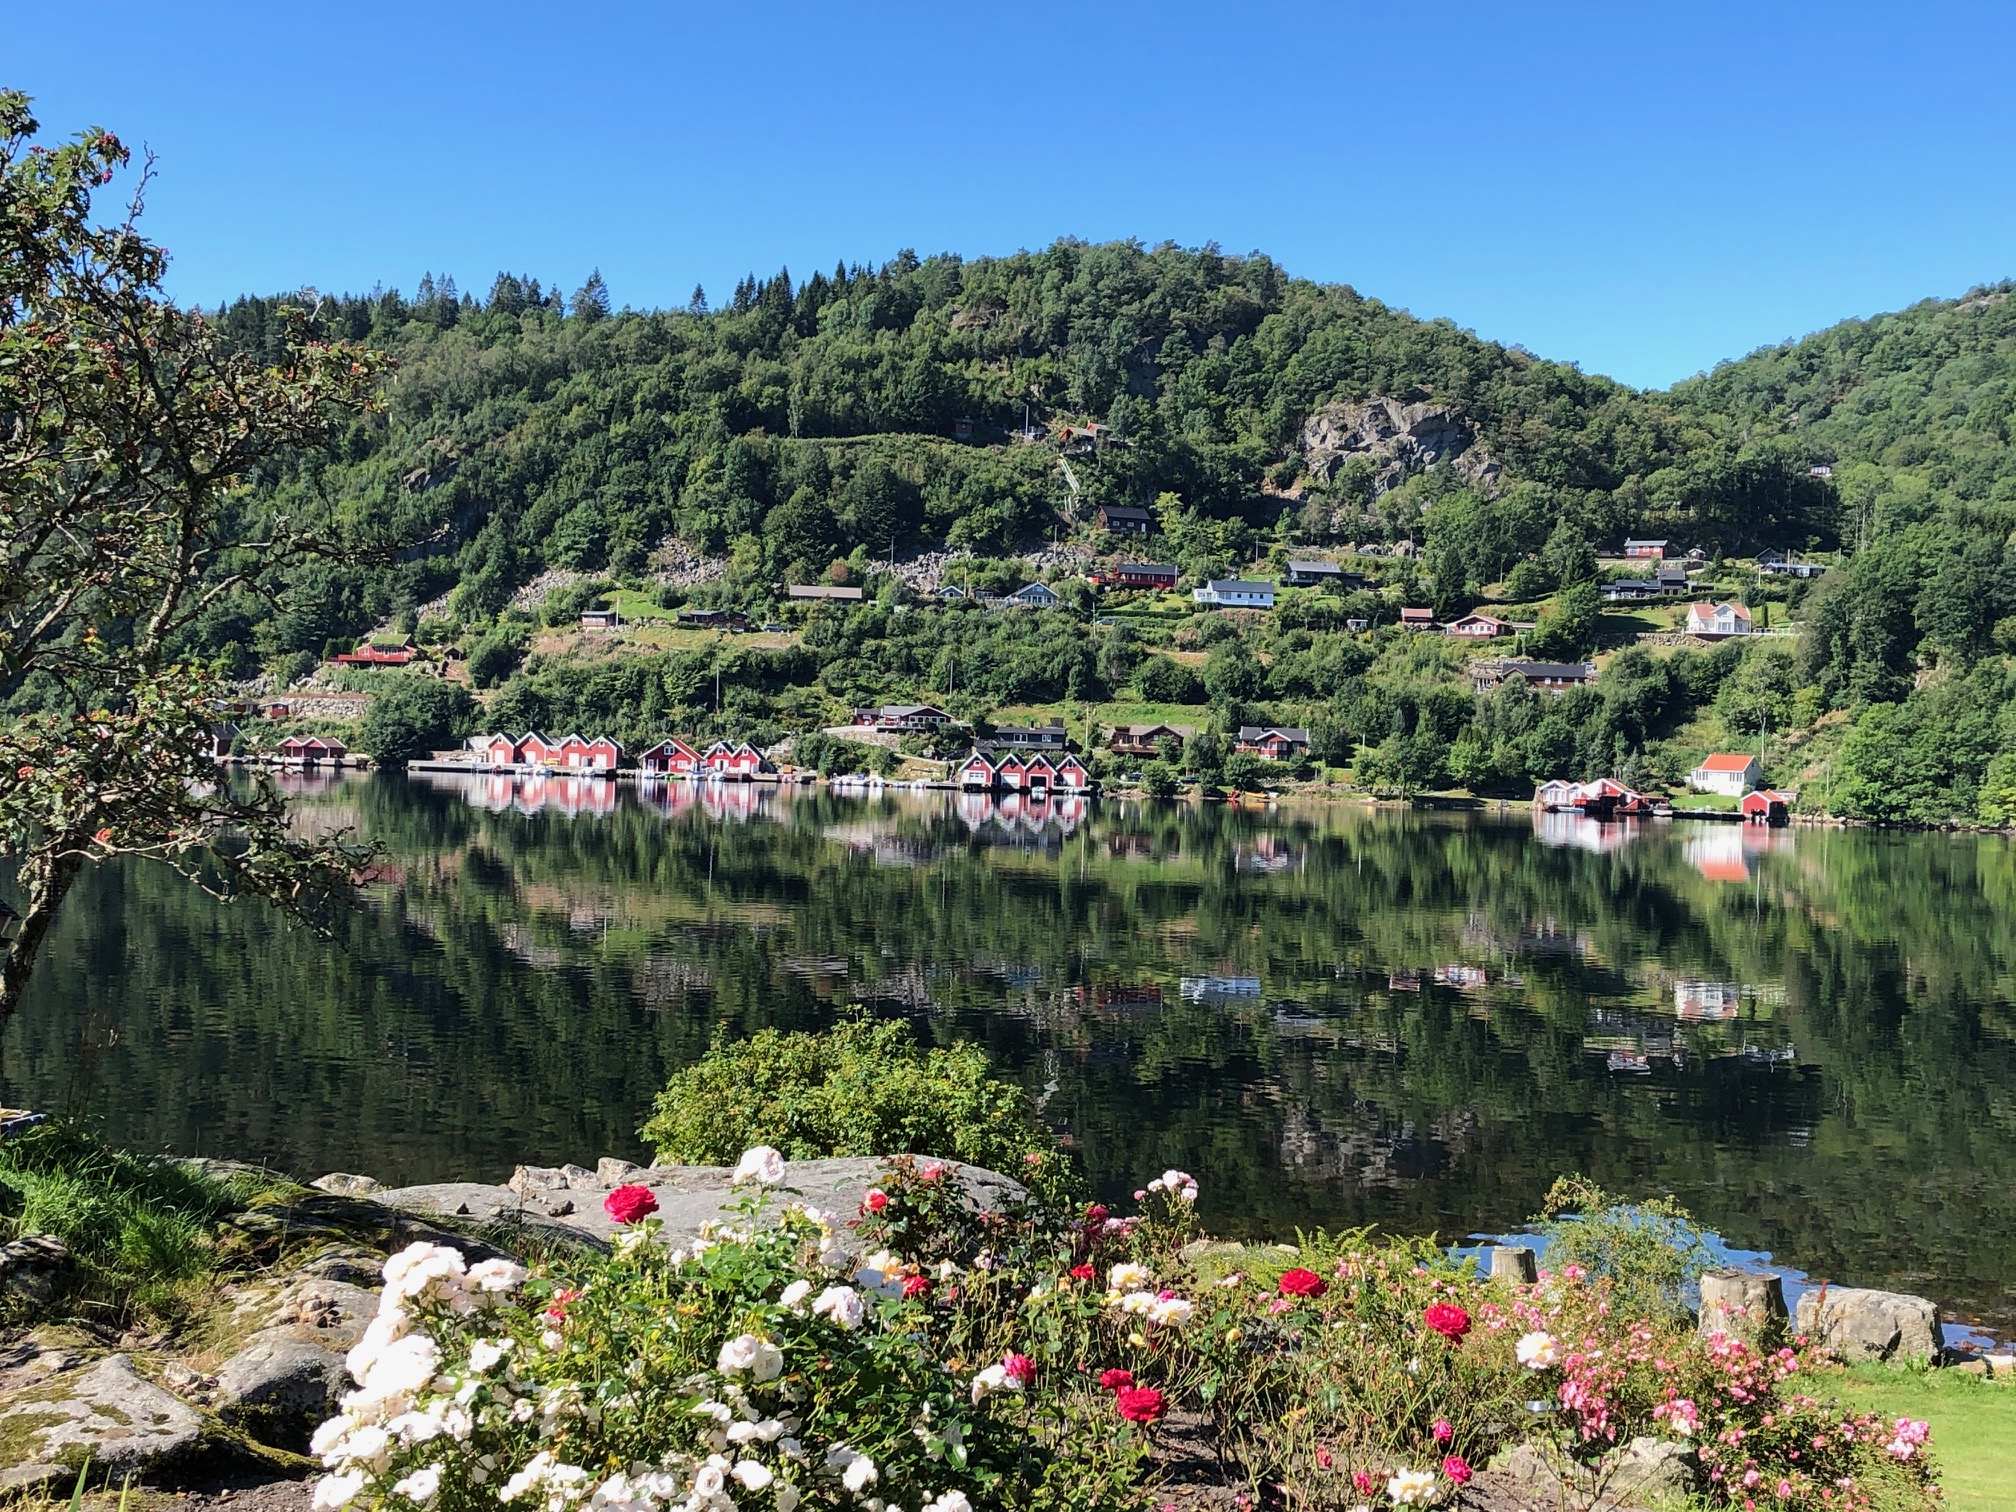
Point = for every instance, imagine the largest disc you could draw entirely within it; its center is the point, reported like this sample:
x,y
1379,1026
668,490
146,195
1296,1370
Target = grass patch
x,y
138,1227
1973,1425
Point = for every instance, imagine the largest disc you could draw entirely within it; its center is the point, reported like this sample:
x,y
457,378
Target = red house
x,y
736,761
1144,575
1071,775
1764,806
1275,742
536,750
1476,627
1417,619
368,655
598,755
1039,776
500,750
670,758
312,750
1010,772
977,774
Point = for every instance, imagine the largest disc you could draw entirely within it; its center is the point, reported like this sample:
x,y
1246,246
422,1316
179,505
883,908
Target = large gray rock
x,y
346,1184
570,1197
1652,1472
1859,1325
1641,1476
108,1413
32,1269
279,1386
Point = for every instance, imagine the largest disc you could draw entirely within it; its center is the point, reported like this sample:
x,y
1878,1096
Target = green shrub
x,y
1650,1251
412,716
860,1088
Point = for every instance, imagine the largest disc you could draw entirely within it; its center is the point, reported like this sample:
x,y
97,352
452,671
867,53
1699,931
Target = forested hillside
x,y
822,428
808,419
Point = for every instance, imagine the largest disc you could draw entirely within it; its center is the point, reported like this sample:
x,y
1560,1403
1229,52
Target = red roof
x,y
1725,763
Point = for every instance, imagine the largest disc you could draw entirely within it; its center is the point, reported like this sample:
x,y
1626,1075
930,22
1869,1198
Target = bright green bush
x,y
860,1088
1649,1251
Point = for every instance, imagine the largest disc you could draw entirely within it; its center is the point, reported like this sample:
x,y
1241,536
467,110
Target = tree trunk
x,y
48,885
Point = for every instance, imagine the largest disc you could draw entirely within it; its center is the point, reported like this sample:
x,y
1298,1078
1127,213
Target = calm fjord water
x,y
1331,1016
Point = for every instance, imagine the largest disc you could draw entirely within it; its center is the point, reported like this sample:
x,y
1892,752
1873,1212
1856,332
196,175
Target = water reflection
x,y
1334,1016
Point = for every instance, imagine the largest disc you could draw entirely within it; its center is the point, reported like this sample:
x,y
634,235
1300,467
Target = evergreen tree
x,y
591,300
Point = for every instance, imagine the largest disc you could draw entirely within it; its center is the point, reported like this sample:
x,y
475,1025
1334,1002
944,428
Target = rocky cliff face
x,y
1398,439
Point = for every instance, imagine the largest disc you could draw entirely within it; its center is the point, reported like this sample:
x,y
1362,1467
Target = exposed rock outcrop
x,y
107,1412
569,1198
1398,439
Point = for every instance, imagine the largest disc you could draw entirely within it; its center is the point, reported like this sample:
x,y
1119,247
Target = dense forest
x,y
824,426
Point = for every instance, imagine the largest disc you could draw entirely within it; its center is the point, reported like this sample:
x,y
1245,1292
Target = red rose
x,y
1448,1320
876,1200
627,1204
1093,1214
1302,1283
1362,1480
1140,1404
1116,1379
1458,1469
916,1286
1019,1369
1083,1272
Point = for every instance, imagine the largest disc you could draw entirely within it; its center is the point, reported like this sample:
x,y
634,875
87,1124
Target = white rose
x,y
1127,1276
334,1491
769,1362
709,1479
761,1164
754,1477
485,1353
738,1354
993,1378
496,1275
859,1475
787,1497
1173,1311
1537,1350
950,1501
1412,1488
840,1303
420,1487
794,1296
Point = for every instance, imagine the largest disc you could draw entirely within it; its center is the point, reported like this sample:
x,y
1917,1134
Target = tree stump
x,y
1747,1305
1517,1265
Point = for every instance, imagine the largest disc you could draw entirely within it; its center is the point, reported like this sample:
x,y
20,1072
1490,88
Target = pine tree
x,y
697,305
591,300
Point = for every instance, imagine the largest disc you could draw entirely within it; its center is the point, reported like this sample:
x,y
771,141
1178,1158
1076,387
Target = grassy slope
x,y
1973,1427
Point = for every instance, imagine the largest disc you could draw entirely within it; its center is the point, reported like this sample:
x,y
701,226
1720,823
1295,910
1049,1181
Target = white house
x,y
1234,593
1717,619
1732,774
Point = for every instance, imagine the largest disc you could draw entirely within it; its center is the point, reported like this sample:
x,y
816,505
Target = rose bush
x,y
922,1355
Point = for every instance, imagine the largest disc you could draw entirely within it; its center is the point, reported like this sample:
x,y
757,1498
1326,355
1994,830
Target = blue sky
x,y
1642,189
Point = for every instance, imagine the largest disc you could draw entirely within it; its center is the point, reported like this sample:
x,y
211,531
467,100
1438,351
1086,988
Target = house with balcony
x,y
1274,742
1234,593
1718,620
1730,773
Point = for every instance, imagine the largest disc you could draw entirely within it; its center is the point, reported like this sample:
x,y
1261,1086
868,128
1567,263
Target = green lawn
x,y
1973,1425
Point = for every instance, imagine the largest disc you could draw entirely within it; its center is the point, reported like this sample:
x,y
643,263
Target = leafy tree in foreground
x,y
128,435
